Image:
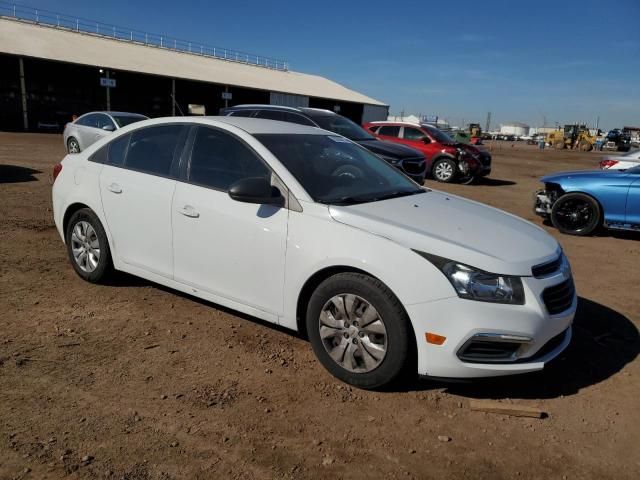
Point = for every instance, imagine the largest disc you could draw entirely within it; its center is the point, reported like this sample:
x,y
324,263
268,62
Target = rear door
x,y
137,185
227,248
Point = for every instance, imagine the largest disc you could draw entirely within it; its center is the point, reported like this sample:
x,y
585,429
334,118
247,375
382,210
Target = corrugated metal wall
x,y
372,113
289,100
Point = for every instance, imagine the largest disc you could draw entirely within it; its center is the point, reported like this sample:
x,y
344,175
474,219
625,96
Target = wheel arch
x,y
316,279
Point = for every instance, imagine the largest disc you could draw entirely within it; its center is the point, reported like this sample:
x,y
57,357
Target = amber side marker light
x,y
434,338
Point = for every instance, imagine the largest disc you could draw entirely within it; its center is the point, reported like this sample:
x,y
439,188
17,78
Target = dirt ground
x,y
133,381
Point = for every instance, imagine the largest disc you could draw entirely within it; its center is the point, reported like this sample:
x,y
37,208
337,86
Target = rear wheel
x,y
88,247
576,214
444,170
73,146
359,330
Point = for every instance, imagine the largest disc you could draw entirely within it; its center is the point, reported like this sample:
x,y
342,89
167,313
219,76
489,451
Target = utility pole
x,y
487,124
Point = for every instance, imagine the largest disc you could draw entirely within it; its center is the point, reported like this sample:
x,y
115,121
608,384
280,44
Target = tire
x,y
559,144
73,146
585,146
468,180
90,258
576,214
444,170
371,355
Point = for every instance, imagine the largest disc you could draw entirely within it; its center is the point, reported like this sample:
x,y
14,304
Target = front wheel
x,y
576,214
444,170
359,330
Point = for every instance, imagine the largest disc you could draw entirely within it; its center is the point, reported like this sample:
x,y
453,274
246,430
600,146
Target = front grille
x,y
559,298
413,166
483,351
546,269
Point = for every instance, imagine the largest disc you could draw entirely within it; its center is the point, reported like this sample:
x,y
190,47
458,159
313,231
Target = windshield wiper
x,y
402,193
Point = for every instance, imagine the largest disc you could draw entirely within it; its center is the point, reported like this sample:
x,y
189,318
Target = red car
x,y
448,160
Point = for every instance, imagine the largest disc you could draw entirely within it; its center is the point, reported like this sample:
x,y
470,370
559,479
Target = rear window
x,y
124,120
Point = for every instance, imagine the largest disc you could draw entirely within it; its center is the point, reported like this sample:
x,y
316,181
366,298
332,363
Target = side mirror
x,y
255,190
109,128
426,140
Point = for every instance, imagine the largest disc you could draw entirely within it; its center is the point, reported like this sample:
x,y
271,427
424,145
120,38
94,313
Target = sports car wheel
x,y
576,214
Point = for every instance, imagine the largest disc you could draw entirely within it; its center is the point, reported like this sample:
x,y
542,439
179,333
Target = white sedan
x,y
621,162
303,228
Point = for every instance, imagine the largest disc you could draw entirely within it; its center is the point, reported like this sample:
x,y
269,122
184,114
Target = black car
x,y
407,159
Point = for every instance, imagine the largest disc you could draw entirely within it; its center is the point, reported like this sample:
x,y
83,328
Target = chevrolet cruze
x,y
306,229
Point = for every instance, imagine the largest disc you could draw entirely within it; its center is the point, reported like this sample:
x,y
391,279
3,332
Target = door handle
x,y
189,211
115,188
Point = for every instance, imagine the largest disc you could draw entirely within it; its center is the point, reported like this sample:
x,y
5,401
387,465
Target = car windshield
x,y
124,120
343,126
438,135
635,170
335,171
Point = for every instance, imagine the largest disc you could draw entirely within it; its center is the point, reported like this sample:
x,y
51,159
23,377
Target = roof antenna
x,y
173,98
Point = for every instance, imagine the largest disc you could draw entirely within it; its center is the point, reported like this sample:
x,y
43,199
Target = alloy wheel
x,y
575,214
443,171
353,333
74,147
85,246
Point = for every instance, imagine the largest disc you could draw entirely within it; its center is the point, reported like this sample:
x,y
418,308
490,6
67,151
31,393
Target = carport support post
x,y
173,97
108,92
23,94
226,101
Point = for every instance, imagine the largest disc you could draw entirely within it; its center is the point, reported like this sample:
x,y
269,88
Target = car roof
x,y
307,110
112,112
253,126
384,122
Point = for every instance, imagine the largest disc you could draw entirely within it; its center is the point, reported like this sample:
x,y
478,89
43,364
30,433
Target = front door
x,y
228,248
633,202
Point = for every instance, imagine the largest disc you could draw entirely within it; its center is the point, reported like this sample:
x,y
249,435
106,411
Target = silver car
x,y
92,126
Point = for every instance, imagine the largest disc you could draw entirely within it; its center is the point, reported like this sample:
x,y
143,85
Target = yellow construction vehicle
x,y
572,136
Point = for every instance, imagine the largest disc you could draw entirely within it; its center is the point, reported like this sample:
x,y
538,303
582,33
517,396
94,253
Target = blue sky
x,y
522,60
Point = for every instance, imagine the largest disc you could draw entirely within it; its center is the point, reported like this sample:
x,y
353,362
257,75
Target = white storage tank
x,y
515,128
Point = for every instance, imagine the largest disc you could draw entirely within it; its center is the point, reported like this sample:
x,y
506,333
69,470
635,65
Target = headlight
x,y
474,284
391,160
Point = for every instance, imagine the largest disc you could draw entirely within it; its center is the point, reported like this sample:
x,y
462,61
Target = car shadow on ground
x,y
604,341
494,182
17,174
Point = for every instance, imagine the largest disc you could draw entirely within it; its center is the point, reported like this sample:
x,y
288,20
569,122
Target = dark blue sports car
x,y
578,203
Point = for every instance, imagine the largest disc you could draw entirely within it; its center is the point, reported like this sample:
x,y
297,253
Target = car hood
x,y
455,228
579,174
390,149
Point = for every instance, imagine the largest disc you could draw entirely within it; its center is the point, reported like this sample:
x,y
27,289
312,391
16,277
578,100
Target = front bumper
x,y
463,321
543,201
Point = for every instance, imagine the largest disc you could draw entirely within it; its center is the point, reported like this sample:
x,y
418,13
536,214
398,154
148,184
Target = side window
x,y
88,121
118,150
151,150
389,131
242,113
413,134
272,115
299,119
104,121
100,155
374,128
218,160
